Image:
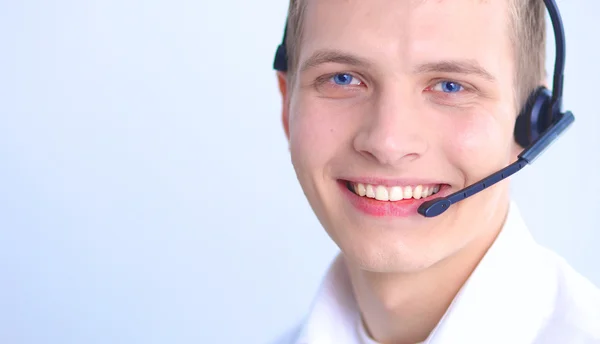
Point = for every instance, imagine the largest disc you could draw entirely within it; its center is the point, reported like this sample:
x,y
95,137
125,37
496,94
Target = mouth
x,y
393,194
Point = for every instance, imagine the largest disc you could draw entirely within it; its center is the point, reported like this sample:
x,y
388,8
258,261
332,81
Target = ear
x,y
285,103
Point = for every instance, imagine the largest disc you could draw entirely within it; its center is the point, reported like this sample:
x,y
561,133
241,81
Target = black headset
x,y
539,124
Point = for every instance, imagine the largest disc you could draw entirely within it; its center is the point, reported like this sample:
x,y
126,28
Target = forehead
x,y
404,33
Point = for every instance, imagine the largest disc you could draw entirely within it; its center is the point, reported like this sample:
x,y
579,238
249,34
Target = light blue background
x,y
146,193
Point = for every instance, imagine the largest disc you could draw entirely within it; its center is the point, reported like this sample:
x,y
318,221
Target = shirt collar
x,y
505,294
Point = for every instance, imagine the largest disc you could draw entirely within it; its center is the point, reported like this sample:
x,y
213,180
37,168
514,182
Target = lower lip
x,y
373,207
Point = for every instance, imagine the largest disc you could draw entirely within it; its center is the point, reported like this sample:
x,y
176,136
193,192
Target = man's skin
x,y
395,119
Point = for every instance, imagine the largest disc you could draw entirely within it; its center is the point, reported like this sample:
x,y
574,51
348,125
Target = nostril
x,y
388,145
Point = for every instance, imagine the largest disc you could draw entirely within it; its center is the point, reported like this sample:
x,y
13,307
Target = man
x,y
387,103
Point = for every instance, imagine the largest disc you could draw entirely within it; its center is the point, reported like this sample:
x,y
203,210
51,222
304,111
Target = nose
x,y
393,132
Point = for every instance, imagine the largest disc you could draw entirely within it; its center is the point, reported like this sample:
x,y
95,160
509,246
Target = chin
x,y
383,263
388,256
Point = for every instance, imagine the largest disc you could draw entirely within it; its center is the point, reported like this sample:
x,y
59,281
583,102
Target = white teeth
x,y
381,193
362,191
395,193
408,193
370,191
417,192
426,191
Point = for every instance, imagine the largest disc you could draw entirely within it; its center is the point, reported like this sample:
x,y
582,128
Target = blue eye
x,y
448,87
344,79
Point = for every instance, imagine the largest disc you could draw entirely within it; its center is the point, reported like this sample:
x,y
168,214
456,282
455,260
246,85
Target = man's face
x,y
400,99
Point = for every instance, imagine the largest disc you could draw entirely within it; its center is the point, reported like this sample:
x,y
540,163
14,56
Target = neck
x,y
406,307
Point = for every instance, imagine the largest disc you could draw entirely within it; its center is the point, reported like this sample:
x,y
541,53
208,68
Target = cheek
x,y
478,144
318,131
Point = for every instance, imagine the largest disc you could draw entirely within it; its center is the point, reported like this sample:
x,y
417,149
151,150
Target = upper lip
x,y
392,182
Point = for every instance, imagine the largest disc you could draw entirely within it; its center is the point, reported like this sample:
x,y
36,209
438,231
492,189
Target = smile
x,y
394,193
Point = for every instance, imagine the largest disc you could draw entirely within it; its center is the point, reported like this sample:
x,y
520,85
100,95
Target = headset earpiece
x,y
535,118
281,59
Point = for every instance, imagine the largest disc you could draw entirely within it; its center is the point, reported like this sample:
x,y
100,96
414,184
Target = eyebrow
x,y
332,56
467,67
456,66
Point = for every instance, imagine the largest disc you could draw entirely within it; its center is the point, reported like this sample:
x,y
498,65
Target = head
x,y
400,99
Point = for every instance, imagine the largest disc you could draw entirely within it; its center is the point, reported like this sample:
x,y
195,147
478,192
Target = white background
x,y
146,192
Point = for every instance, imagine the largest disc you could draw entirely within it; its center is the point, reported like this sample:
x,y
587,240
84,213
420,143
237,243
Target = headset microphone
x,y
538,125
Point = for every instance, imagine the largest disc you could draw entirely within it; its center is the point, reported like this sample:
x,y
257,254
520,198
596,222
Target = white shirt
x,y
519,293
